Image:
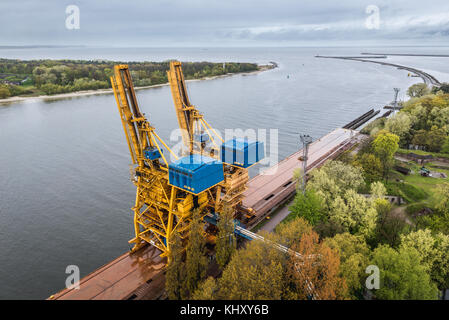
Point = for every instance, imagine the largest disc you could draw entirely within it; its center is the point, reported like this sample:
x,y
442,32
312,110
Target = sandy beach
x,y
77,94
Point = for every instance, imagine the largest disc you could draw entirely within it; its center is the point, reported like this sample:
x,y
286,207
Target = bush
x,y
4,93
415,207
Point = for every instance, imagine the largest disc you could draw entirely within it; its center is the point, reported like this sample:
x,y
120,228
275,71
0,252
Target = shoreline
x,y
84,93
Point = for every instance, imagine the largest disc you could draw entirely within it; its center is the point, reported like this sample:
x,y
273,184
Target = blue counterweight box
x,y
242,152
195,173
152,153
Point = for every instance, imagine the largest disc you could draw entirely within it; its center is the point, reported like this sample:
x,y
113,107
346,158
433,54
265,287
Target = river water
x,y
65,193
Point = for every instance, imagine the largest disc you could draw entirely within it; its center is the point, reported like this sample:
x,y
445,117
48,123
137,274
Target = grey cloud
x,y
159,22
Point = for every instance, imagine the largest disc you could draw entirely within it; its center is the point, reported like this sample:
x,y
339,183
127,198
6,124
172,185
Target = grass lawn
x,y
417,190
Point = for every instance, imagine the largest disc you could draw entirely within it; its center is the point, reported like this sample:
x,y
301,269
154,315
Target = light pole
x,y
306,140
395,102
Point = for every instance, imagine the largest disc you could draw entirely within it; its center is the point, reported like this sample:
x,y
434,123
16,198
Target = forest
x,y
423,121
48,77
345,223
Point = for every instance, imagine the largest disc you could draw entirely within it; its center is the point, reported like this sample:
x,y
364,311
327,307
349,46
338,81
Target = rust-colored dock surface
x,y
139,275
267,190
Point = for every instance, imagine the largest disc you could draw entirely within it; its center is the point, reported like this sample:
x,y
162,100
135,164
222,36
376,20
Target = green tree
x,y
444,88
226,242
377,190
402,276
355,213
437,222
443,198
329,228
371,166
391,229
433,251
308,206
385,146
196,261
354,258
333,179
445,146
439,118
175,275
436,137
421,138
400,125
297,177
418,90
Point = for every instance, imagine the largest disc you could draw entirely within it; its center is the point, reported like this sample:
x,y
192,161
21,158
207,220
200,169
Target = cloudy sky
x,y
147,23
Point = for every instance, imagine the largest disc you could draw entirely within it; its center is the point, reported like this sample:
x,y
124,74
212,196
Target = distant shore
x,y
76,94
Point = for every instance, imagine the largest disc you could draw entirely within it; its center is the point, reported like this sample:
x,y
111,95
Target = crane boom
x,y
134,123
185,112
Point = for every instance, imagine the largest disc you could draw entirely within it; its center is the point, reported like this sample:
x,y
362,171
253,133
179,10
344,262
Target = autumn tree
x,y
290,232
402,275
196,261
4,92
206,290
385,146
254,273
175,275
354,258
317,273
226,241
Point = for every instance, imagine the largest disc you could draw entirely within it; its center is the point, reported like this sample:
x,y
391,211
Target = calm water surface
x,y
65,194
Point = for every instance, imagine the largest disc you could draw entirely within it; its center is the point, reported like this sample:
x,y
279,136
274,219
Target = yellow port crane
x,y
168,193
160,208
